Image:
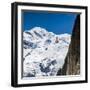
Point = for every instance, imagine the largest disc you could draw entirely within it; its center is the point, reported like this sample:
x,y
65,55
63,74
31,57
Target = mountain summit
x,y
43,52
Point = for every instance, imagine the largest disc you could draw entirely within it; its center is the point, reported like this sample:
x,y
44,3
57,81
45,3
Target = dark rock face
x,y
72,61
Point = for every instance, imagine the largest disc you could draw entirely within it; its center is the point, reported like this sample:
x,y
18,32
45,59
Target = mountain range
x,y
44,52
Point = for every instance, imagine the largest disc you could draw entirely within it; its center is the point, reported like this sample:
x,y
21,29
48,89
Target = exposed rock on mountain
x,y
72,61
43,52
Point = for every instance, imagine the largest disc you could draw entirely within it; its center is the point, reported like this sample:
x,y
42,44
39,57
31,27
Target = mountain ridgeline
x,y
72,60
44,52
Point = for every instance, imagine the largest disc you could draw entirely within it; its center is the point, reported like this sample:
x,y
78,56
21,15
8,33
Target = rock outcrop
x,y
72,60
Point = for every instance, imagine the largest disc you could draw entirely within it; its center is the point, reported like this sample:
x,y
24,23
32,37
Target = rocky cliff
x,y
72,60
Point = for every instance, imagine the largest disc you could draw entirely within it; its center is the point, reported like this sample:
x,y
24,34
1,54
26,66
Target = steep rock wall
x,y
72,60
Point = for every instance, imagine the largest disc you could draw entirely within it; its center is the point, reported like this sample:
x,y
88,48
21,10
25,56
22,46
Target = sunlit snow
x,y
43,52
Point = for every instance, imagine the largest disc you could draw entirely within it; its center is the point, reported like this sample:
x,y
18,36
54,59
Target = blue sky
x,y
54,22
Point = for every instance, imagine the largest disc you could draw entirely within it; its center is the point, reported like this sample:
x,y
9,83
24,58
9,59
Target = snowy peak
x,y
37,32
41,33
39,36
44,52
38,29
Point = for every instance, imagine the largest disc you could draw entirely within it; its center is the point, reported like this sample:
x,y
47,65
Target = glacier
x,y
44,52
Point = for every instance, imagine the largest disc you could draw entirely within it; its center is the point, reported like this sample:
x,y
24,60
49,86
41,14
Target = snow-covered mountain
x,y
43,52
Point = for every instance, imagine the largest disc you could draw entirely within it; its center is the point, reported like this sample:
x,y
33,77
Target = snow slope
x,y
43,52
